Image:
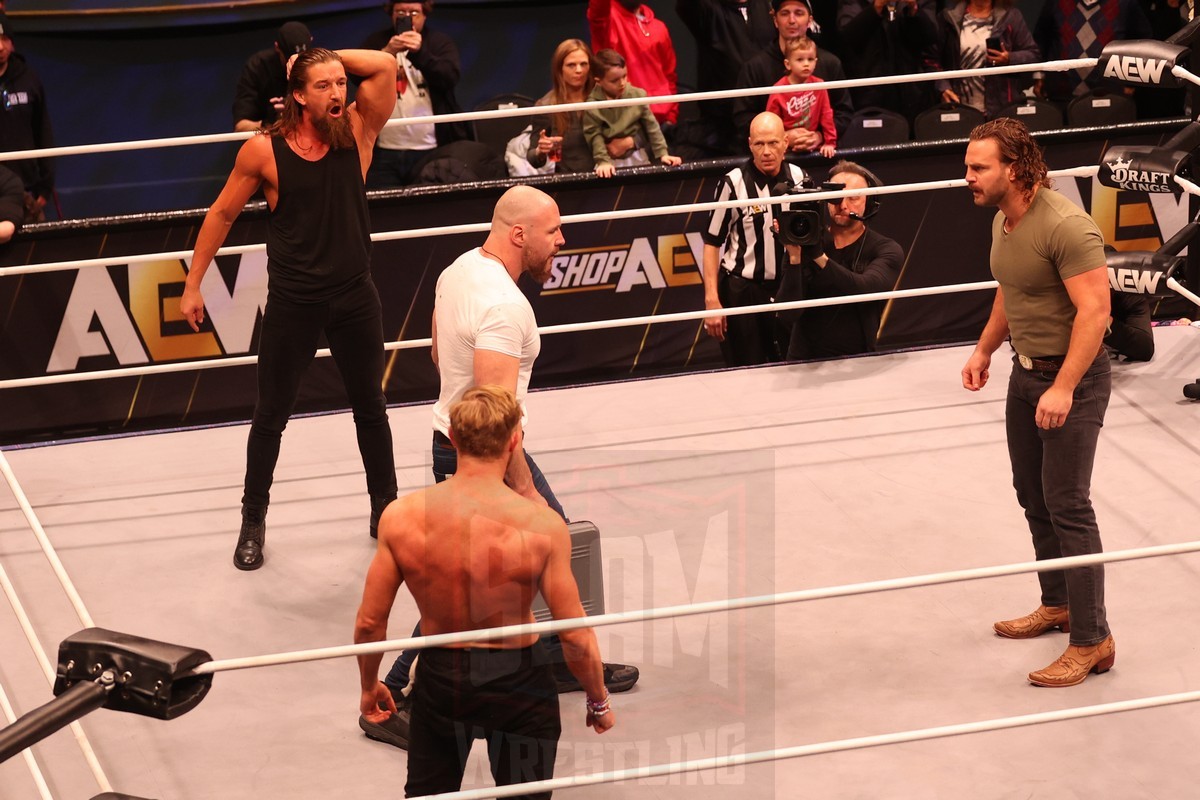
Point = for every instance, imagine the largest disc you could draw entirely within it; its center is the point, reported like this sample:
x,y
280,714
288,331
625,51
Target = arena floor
x,y
703,486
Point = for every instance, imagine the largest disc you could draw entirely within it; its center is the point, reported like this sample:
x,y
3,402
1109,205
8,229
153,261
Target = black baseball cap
x,y
5,28
777,4
293,37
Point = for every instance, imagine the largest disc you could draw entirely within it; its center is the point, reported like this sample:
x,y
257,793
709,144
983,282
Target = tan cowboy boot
x,y
1035,624
1076,664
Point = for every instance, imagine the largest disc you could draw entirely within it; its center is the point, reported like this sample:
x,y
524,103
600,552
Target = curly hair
x,y
1018,148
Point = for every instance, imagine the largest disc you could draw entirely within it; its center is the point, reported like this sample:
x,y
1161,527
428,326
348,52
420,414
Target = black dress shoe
x,y
617,678
249,552
394,729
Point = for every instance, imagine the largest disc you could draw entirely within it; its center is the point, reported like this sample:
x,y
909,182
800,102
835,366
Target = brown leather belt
x,y
1043,364
1046,363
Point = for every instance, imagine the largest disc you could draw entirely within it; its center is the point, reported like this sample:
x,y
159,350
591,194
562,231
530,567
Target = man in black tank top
x,y
310,165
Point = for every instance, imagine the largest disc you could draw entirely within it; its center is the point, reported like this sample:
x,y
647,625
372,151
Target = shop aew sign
x,y
657,262
149,328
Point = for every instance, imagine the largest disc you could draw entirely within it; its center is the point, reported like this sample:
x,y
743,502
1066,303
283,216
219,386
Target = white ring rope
x,y
692,609
836,746
532,111
34,770
89,755
567,327
39,533
1184,74
595,216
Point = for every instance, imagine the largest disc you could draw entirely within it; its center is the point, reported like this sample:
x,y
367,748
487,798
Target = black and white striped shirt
x,y
748,244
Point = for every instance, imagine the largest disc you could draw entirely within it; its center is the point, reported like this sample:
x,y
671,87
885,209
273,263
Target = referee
x,y
742,259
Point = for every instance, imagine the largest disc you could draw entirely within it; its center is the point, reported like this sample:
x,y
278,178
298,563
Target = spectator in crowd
x,y
792,18
806,113
25,125
1165,17
728,33
964,32
851,259
12,204
559,137
743,258
621,137
888,37
1129,331
630,28
263,83
428,72
1080,29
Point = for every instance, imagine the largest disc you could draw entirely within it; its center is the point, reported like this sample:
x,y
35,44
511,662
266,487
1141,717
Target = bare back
x,y
474,553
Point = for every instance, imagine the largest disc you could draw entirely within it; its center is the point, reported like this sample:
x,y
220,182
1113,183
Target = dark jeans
x,y
749,338
505,697
445,464
1052,473
353,325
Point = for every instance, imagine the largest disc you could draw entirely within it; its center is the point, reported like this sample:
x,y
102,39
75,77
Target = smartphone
x,y
993,43
403,24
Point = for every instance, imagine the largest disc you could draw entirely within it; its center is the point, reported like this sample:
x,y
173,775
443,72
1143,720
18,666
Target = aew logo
x,y
671,260
1137,180
1134,281
1133,69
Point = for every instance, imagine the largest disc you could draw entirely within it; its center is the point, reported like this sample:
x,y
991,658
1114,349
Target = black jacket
x,y
439,63
766,68
25,124
262,78
876,47
12,197
724,42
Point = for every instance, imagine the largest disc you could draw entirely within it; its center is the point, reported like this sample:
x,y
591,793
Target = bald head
x,y
766,124
520,205
767,143
526,232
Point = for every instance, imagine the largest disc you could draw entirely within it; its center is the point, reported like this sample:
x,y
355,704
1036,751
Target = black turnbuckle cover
x,y
150,677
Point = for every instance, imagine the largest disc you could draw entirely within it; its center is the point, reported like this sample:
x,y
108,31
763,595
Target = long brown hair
x,y
293,113
558,94
1018,148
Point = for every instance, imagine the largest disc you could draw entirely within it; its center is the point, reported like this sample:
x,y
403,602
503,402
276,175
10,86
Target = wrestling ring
x,y
785,547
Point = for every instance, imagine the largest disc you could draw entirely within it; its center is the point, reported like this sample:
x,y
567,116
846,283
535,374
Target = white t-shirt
x,y
478,306
413,102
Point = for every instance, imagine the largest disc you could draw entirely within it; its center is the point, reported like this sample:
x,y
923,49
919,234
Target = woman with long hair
x,y
560,136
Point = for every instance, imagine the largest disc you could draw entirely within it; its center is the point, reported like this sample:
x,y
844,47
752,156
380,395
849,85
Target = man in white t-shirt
x,y
428,71
484,332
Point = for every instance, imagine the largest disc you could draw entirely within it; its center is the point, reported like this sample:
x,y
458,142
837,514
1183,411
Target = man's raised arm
x,y
376,95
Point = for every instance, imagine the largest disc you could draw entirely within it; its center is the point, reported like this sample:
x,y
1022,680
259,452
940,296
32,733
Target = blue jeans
x,y
1052,473
445,464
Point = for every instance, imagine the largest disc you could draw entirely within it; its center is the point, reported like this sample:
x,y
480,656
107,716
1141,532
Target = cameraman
x,y
742,258
851,259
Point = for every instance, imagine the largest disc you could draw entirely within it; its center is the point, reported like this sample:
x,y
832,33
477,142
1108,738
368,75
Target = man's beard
x,y
539,269
337,131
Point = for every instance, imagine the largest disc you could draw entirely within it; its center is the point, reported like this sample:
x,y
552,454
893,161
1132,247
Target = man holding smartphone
x,y
428,71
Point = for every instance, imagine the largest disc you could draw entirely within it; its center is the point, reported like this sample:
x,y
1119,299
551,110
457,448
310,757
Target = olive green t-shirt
x,y
1055,240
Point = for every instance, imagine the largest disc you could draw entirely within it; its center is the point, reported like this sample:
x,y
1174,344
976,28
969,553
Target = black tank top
x,y
318,242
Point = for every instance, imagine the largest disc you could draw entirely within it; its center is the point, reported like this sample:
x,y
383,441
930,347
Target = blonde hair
x,y
562,122
798,44
483,421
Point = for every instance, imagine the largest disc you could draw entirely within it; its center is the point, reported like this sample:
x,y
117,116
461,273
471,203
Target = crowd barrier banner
x,y
124,315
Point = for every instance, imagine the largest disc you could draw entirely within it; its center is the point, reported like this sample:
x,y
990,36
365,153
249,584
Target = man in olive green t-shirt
x,y
1048,257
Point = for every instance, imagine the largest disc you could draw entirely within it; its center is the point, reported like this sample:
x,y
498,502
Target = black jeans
x,y
353,324
505,697
1052,473
749,338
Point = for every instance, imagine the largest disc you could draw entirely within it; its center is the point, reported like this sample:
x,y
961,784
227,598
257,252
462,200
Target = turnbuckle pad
x,y
149,678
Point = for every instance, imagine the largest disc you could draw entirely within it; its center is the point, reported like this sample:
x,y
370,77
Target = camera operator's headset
x,y
872,182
